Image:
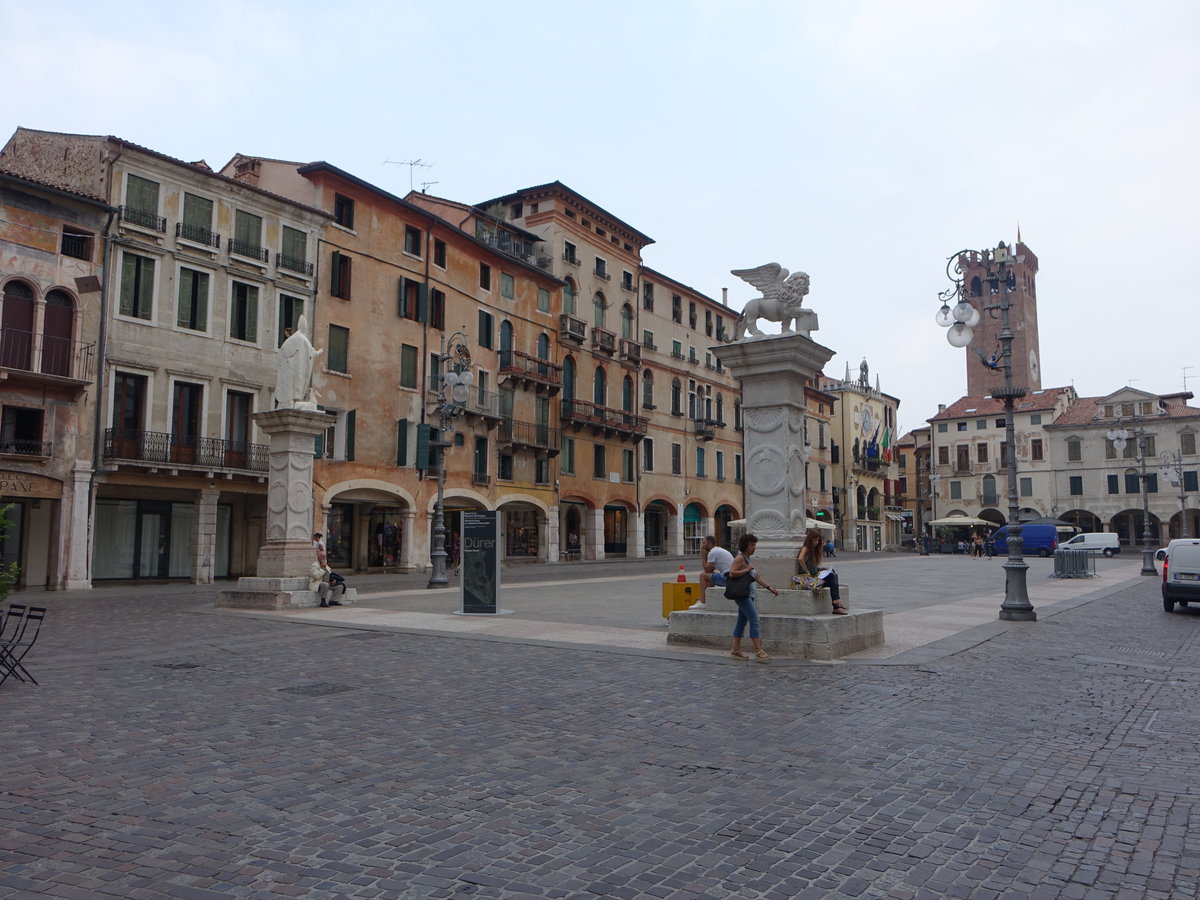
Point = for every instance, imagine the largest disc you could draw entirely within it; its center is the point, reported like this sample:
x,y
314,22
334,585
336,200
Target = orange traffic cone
x,y
682,575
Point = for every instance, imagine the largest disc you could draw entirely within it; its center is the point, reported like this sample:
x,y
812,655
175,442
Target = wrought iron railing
x,y
600,274
294,264
197,234
631,350
583,412
570,258
527,434
78,246
144,218
521,363
174,450
46,355
20,447
248,250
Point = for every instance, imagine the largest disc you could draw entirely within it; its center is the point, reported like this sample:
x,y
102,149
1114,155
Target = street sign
x,y
480,581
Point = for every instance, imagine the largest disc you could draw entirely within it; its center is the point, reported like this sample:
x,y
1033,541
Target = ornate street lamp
x,y
453,392
1120,437
1000,281
1172,471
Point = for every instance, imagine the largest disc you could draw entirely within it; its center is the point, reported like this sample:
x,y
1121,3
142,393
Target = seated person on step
x,y
808,562
715,562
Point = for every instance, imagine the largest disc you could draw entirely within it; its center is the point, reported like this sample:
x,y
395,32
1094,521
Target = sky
x,y
864,142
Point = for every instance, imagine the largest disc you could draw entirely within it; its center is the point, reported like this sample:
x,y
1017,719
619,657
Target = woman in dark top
x,y
808,561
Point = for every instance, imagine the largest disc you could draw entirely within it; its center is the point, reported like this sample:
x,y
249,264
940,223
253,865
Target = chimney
x,y
724,296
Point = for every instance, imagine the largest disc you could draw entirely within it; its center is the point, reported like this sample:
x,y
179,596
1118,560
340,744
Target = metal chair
x,y
20,640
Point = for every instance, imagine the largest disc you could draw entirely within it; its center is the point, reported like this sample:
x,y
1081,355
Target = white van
x,y
1094,542
1181,573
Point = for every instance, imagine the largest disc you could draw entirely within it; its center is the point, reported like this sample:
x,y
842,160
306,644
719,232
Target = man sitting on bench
x,y
716,561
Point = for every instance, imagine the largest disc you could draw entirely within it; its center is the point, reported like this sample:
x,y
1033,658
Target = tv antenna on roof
x,y
412,164
425,186
1186,376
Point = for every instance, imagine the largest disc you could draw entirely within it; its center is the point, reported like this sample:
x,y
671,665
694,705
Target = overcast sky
x,y
862,142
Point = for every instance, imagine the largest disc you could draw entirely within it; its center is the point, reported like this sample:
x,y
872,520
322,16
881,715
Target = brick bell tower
x,y
1022,317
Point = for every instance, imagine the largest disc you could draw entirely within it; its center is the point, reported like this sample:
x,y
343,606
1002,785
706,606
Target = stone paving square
x,y
176,750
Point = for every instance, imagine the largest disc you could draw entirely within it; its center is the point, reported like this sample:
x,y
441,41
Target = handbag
x,y
807,583
737,587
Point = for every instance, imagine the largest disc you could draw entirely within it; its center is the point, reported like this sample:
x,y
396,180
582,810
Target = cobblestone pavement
x,y
172,751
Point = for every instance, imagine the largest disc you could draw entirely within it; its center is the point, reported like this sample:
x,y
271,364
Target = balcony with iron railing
x,y
480,402
294,264
604,340
248,250
521,367
600,273
197,234
570,258
41,357
540,437
572,327
21,447
162,450
602,419
481,479
144,218
706,429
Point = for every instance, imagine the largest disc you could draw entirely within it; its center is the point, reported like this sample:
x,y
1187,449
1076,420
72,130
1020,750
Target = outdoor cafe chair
x,y
18,641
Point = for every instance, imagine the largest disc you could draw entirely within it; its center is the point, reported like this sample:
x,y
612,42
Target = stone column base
x,y
793,624
275,594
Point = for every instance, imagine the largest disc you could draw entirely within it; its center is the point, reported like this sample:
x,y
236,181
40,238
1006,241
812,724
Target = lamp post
x,y
1001,282
453,391
1172,471
1120,437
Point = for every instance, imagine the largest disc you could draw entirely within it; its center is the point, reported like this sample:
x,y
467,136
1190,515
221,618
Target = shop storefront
x,y
153,539
521,533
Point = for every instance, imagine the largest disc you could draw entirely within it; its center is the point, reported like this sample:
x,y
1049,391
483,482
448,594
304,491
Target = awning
x,y
960,520
816,523
895,517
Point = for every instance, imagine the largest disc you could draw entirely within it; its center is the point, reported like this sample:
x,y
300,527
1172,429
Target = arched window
x,y
627,322
737,414
57,330
543,352
676,397
976,287
506,344
568,379
720,409
569,297
599,304
627,394
647,389
599,388
16,326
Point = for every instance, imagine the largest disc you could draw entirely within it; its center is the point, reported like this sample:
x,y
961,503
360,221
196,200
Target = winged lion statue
x,y
782,296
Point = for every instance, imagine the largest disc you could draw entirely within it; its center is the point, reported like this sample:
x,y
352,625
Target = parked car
x,y
1160,554
1181,573
1094,542
1038,538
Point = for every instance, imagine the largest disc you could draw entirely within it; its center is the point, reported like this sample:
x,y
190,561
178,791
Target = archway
x,y
657,522
57,333
1128,526
1083,520
721,519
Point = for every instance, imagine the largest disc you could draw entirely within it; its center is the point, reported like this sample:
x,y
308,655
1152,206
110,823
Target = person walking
x,y
715,562
808,561
747,612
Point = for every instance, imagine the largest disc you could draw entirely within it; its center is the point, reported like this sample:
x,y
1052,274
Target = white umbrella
x,y
960,520
816,523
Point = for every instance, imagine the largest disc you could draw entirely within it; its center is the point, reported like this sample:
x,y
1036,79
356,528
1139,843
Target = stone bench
x,y
796,623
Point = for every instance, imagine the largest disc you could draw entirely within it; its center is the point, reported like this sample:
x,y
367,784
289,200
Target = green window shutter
x,y
335,274
128,276
319,445
294,243
350,416
197,211
402,442
247,228
252,314
422,445
141,194
422,303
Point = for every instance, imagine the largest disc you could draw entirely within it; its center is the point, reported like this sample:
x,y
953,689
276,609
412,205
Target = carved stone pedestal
x,y
285,559
774,370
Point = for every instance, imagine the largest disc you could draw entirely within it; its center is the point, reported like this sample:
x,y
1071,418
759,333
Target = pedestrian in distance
x,y
830,549
747,612
808,561
715,561
329,592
